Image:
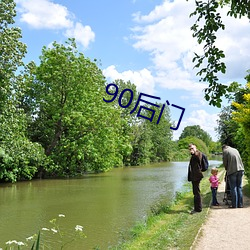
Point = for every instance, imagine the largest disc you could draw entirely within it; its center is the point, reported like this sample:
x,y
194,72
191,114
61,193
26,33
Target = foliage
x,y
151,141
20,158
232,124
12,50
196,131
68,116
227,127
215,147
241,115
207,24
129,122
201,146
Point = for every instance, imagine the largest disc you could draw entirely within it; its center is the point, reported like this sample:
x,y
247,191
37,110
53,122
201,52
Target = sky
x,y
147,42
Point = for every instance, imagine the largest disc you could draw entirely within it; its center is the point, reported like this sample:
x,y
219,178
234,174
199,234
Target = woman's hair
x,y
214,170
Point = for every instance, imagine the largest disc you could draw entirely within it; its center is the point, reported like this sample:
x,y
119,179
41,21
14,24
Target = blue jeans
x,y
214,196
235,182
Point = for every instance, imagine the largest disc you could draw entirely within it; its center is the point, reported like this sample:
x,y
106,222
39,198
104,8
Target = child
x,y
214,185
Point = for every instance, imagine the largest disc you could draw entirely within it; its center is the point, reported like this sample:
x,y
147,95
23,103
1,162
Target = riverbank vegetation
x,y
55,122
170,226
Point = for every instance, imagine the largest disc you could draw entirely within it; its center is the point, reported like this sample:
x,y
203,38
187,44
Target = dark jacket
x,y
194,168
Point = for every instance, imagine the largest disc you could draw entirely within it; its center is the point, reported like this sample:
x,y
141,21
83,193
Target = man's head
x,y
192,148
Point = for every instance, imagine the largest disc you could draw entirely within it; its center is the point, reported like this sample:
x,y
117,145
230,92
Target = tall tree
x,y
196,131
12,51
152,141
227,127
19,158
78,130
242,117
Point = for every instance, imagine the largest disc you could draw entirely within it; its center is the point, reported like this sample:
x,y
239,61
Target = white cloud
x,y
143,79
206,121
83,34
234,41
165,33
200,117
44,14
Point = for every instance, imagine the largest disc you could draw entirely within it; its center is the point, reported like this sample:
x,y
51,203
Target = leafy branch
x,y
210,63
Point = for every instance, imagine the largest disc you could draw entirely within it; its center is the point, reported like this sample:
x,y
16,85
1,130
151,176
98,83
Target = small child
x,y
214,185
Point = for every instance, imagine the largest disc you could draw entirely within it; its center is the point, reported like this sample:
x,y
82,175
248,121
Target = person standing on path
x,y
195,175
214,186
235,169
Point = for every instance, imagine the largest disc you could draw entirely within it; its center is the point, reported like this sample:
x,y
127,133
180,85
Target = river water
x,y
104,204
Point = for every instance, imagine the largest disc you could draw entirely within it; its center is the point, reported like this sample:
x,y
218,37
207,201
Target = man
x,y
195,175
235,170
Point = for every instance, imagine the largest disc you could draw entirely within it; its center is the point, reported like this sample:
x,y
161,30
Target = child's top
x,y
214,181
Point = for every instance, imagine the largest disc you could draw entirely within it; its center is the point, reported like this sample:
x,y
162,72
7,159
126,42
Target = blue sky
x,y
148,42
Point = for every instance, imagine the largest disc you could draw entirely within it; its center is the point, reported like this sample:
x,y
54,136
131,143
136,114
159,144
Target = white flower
x,y
29,238
54,230
10,242
78,228
45,229
61,215
20,243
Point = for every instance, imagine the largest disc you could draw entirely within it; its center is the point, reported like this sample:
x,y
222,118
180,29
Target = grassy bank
x,y
170,227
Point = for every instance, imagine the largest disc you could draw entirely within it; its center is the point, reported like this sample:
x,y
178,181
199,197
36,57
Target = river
x,y
105,204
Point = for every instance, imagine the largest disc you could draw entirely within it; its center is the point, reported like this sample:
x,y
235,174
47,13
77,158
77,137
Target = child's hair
x,y
214,170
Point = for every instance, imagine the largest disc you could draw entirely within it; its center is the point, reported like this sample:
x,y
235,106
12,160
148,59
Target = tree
x,y
183,144
227,127
12,51
241,116
124,94
20,158
208,23
151,142
161,136
196,131
79,131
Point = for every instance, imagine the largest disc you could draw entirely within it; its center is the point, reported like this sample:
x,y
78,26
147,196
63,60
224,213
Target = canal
x,y
105,204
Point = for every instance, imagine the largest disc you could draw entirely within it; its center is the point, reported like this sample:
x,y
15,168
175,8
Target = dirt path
x,y
225,228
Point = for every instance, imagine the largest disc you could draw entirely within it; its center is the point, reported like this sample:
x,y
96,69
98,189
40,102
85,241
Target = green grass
x,y
170,226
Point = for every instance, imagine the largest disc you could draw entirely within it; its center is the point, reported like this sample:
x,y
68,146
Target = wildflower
x,y
29,238
78,228
20,243
61,215
54,230
45,229
10,242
